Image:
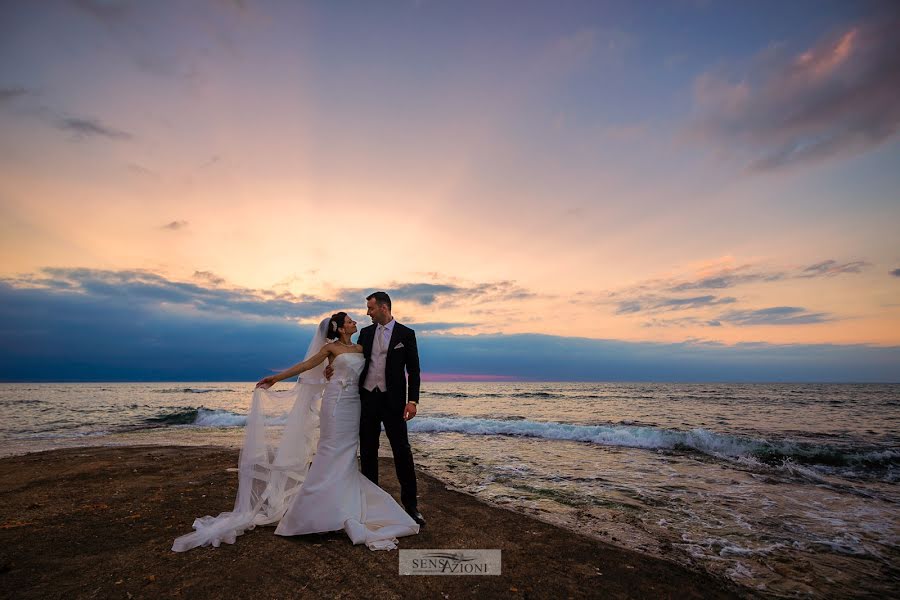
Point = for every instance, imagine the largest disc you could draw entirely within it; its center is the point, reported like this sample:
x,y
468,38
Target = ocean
x,y
789,489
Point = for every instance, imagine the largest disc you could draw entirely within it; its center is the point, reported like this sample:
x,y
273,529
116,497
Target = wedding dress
x,y
309,480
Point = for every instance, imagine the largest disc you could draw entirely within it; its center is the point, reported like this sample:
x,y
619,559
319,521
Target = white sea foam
x,y
225,418
797,459
629,436
218,418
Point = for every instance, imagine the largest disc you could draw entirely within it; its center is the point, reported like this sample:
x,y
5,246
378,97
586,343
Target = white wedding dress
x,y
304,485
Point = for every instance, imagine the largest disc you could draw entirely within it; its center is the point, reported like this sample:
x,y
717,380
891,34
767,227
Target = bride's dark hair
x,y
337,320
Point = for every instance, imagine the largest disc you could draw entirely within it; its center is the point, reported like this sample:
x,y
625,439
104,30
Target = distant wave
x,y
205,417
219,418
183,416
575,394
190,390
17,401
571,395
496,395
781,453
697,440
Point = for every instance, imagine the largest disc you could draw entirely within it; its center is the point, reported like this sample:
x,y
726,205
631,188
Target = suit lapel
x,y
366,341
395,333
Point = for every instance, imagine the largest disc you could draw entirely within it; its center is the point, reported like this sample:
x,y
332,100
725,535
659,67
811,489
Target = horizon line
x,y
509,379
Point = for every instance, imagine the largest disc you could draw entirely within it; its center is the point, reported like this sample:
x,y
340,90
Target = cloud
x,y
445,294
837,98
830,268
105,337
9,94
213,160
663,295
775,315
421,293
208,294
682,322
660,304
726,279
718,277
628,306
729,277
434,326
694,302
149,290
142,171
103,326
714,275
83,127
175,225
209,277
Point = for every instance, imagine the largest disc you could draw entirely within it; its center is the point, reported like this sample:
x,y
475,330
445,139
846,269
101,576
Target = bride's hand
x,y
266,382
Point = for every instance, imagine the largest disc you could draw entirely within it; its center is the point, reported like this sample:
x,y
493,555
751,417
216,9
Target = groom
x,y
389,348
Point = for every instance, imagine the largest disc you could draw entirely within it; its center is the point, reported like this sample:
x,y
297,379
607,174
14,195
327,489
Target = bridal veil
x,y
274,459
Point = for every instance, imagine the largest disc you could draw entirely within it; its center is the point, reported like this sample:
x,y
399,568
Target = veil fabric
x,y
271,467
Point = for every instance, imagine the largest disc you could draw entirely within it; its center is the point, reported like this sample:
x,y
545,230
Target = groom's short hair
x,y
380,298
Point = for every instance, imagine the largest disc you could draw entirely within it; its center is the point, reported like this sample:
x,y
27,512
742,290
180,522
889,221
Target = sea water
x,y
790,489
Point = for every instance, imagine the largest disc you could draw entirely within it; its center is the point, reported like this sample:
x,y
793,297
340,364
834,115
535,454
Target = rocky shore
x,y
99,523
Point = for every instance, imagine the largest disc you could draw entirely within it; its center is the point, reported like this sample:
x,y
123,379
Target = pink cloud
x,y
839,97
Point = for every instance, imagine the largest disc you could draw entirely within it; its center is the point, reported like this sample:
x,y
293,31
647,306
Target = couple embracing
x,y
307,480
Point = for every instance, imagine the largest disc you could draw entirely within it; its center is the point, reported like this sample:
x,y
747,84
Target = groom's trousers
x,y
376,409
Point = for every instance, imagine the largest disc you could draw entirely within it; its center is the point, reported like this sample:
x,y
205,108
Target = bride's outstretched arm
x,y
306,365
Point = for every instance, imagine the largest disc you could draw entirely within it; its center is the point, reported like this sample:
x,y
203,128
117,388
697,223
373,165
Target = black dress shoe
x,y
416,516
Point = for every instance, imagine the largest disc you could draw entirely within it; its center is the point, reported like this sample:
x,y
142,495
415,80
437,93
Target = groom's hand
x,y
329,371
409,412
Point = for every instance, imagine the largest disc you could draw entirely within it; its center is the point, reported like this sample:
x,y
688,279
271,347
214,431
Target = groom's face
x,y
377,312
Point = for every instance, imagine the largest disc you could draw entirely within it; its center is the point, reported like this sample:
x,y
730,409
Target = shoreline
x,y
100,521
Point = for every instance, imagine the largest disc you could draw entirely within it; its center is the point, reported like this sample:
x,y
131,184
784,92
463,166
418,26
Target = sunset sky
x,y
701,189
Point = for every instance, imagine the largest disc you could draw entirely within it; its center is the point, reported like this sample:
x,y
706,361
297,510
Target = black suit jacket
x,y
404,358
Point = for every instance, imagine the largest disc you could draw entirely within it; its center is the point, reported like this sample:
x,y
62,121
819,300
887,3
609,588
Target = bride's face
x,y
349,325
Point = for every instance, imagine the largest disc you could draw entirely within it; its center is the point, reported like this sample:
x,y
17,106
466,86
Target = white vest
x,y
378,361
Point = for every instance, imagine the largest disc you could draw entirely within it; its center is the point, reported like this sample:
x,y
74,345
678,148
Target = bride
x,y
309,480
